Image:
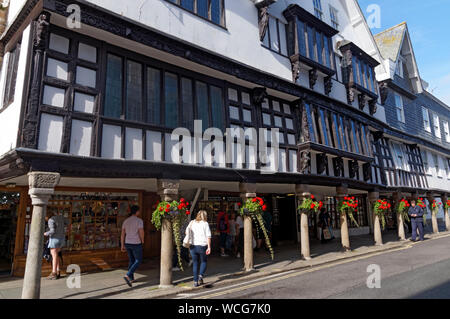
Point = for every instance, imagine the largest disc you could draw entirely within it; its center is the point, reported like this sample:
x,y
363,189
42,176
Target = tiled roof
x,y
390,40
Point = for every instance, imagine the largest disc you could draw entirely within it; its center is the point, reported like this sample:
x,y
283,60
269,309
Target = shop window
x,y
113,94
187,103
134,91
93,222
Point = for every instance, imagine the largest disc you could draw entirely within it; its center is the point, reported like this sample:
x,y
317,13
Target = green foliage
x,y
308,205
177,213
380,209
348,206
402,209
254,208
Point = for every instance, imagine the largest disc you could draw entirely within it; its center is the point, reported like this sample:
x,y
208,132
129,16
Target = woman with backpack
x,y
223,226
200,245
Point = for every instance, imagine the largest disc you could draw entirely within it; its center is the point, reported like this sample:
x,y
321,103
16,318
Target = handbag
x,y
326,234
188,238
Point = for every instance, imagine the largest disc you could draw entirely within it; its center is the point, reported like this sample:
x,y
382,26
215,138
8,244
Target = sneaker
x,y
196,284
200,280
127,280
238,255
190,263
224,255
52,276
176,269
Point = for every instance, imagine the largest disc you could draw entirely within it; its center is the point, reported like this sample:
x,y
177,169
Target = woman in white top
x,y
200,245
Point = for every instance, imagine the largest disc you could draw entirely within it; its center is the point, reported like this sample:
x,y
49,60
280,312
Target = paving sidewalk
x,y
221,271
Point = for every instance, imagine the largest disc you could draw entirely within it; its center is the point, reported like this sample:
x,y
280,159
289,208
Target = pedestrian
x,y
231,239
223,227
57,240
416,214
201,246
326,233
184,253
132,241
240,235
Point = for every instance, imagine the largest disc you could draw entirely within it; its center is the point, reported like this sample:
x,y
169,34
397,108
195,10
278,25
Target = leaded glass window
x,y
113,94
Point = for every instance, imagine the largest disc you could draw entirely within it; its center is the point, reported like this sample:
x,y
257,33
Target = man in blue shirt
x,y
416,214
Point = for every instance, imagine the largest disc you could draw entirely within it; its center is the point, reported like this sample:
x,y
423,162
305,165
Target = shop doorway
x,y
9,203
286,231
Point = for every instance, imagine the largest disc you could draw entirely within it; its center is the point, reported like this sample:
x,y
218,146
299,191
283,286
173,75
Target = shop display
x,y
93,222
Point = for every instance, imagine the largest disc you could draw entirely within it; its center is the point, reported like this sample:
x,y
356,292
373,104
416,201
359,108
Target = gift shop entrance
x,y
9,203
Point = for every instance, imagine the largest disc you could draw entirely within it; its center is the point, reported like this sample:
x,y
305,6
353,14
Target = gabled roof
x,y
390,41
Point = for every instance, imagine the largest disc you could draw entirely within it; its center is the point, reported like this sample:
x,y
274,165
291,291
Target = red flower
x,y
167,206
264,207
167,210
187,204
254,200
182,200
160,209
312,206
312,196
188,212
239,204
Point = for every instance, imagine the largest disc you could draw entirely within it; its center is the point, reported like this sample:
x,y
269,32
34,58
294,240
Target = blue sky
x,y
429,26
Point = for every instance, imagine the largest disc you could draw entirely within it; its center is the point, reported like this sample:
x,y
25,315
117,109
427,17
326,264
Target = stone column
x,y
446,212
397,197
341,192
434,221
302,191
168,190
373,197
41,187
247,191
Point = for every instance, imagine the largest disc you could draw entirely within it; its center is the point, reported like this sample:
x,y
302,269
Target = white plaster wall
x,y
14,8
240,40
9,118
435,180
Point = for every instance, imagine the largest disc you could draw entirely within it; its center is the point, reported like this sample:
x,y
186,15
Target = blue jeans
x,y
198,252
417,223
135,253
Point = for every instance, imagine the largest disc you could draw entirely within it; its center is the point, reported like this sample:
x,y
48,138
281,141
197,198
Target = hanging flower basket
x,y
348,206
308,205
380,209
402,209
447,205
435,207
254,208
176,212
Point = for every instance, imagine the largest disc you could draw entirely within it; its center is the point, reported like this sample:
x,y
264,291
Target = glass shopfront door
x,y
9,203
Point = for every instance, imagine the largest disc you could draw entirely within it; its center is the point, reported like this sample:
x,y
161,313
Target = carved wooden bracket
x,y
304,162
338,166
295,63
353,168
328,85
313,76
361,101
351,95
306,137
373,106
367,172
258,95
383,92
263,16
322,162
